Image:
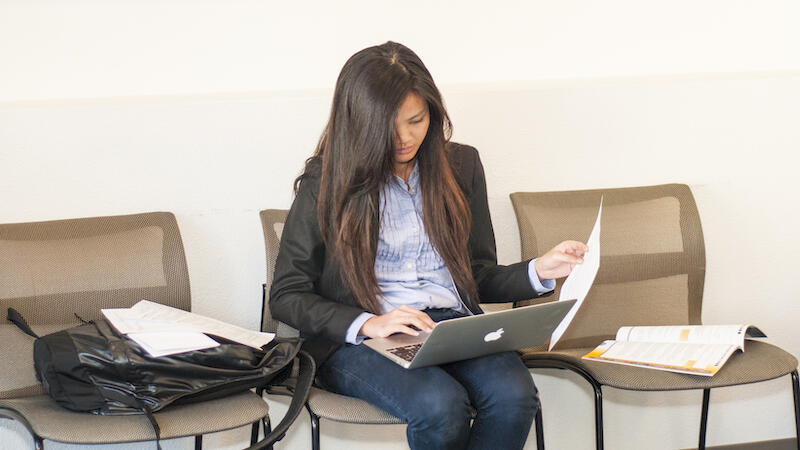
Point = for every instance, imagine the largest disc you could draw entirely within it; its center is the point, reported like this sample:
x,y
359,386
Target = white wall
x,y
99,48
208,109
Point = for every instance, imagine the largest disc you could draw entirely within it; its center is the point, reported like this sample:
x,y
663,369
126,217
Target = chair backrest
x,y
652,266
272,221
50,271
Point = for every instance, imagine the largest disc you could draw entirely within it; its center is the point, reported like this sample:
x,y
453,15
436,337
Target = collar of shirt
x,y
412,186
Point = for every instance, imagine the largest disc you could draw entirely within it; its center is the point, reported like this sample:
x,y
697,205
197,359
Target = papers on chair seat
x,y
162,330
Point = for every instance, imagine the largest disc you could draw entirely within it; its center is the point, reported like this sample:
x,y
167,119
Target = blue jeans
x,y
436,401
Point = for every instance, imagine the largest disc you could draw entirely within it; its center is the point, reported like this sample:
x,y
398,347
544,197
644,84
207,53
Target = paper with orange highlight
x,y
695,349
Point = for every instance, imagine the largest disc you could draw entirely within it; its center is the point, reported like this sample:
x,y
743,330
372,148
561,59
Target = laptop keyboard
x,y
406,352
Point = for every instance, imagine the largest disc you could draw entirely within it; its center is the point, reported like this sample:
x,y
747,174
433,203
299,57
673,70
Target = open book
x,y
693,349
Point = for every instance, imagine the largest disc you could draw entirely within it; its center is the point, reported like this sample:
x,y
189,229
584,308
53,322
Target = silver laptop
x,y
473,336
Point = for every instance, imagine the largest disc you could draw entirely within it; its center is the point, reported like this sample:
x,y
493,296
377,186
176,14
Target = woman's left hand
x,y
560,261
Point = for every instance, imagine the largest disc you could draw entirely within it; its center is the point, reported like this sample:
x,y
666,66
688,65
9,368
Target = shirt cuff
x,y
540,286
352,336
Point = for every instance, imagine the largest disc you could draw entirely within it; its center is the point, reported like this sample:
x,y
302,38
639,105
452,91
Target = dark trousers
x,y
436,400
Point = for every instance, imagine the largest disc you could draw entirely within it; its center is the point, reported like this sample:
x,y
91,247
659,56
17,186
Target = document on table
x,y
161,328
580,280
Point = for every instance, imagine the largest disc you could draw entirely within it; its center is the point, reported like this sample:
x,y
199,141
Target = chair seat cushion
x,y
55,423
759,362
341,408
17,377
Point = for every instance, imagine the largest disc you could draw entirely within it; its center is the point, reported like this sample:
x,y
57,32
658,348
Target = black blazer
x,y
308,293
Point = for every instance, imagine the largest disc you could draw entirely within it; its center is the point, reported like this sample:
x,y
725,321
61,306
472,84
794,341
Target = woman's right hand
x,y
397,321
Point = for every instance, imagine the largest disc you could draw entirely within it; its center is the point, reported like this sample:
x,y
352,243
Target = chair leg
x,y
254,432
198,442
598,401
267,429
38,443
267,425
314,429
796,392
539,429
701,445
598,415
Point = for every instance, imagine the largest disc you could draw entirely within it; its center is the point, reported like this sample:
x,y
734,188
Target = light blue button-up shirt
x,y
408,268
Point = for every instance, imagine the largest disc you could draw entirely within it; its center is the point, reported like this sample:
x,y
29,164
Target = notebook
x,y
473,336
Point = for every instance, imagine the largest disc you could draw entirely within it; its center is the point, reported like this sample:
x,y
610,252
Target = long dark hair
x,y
354,159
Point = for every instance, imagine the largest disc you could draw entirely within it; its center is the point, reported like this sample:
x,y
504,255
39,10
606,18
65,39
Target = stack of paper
x,y
162,330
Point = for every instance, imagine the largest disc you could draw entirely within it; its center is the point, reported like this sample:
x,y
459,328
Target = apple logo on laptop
x,y
493,336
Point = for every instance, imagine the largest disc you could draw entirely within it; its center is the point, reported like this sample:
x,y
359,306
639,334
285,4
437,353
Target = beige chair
x,y
52,272
652,272
321,403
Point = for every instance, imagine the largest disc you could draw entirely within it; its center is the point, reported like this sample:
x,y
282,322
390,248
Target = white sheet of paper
x,y
128,320
163,343
150,317
580,280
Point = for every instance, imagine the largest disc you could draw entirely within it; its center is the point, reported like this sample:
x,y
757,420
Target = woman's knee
x,y
513,392
442,405
523,394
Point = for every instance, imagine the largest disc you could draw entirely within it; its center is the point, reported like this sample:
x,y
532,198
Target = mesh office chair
x,y
321,403
51,271
652,272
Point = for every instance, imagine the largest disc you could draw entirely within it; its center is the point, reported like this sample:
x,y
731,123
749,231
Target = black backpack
x,y
92,368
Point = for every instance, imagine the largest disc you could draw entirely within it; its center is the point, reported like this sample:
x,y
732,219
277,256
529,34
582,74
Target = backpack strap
x,y
131,400
151,418
148,412
16,318
302,387
83,321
